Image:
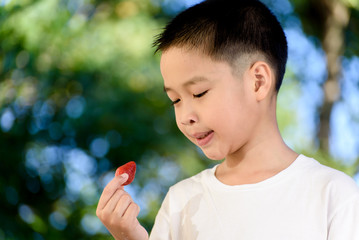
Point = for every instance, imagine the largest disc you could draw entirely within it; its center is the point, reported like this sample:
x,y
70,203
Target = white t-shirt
x,y
306,201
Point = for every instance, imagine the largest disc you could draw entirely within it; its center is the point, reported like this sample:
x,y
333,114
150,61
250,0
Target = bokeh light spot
x,y
7,120
58,220
26,213
75,107
91,224
99,147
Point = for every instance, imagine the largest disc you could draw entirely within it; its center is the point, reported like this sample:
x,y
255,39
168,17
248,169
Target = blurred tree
x,y
335,23
80,94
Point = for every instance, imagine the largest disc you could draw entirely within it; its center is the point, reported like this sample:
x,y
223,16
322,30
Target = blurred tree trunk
x,y
326,19
335,19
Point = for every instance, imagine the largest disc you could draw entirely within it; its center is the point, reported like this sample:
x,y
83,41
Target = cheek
x,y
220,112
177,118
178,122
229,118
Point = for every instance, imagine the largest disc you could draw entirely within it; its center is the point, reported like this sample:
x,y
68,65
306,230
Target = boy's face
x,y
214,108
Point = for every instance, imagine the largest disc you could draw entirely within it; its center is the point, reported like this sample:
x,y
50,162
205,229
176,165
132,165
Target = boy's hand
x,y
118,212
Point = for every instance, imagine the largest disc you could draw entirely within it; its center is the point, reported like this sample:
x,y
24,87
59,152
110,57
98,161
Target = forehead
x,y
182,64
181,57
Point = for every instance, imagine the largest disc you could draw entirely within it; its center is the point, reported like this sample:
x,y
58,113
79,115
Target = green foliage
x,y
312,16
80,94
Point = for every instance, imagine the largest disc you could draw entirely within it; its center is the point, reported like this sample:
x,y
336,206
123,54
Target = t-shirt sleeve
x,y
345,221
161,228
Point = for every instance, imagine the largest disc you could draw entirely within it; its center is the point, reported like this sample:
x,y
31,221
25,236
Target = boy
x,y
222,63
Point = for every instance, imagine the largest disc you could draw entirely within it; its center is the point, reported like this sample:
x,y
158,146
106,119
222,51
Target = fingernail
x,y
124,175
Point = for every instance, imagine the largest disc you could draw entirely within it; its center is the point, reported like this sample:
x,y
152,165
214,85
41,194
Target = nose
x,y
189,121
187,116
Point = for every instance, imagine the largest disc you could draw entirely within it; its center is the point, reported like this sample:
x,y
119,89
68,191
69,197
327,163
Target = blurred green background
x,y
81,93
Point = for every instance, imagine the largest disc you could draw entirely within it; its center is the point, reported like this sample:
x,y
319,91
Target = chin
x,y
214,156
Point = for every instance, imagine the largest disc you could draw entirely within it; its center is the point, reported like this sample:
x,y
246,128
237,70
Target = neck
x,y
260,158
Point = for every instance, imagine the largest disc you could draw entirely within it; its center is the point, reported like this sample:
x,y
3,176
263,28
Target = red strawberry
x,y
130,169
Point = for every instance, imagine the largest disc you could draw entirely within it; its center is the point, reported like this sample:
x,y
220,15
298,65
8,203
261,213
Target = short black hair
x,y
226,30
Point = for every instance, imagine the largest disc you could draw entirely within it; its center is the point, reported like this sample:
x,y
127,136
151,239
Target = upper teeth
x,y
204,135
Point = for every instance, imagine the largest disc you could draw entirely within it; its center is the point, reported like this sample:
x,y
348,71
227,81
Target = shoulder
x,y
188,189
193,184
331,178
334,186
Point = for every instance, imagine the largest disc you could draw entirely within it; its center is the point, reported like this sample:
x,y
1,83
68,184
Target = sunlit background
x,y
81,93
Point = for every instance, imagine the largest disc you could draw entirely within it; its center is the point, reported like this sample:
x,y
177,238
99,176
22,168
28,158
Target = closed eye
x,y
200,95
175,102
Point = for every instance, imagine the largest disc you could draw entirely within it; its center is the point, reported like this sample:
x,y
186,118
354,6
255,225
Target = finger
x,y
110,189
123,204
114,200
131,212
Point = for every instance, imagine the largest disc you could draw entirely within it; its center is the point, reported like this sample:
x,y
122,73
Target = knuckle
x,y
100,214
126,198
105,215
135,207
138,209
120,191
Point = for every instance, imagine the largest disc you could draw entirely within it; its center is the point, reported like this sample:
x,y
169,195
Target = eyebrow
x,y
191,81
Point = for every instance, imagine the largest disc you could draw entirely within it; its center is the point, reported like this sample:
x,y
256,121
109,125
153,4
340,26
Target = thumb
x,y
111,188
121,179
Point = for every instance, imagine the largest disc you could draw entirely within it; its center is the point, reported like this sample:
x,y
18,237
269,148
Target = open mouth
x,y
204,135
204,138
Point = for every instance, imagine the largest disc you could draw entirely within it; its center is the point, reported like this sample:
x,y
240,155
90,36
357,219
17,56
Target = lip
x,y
202,141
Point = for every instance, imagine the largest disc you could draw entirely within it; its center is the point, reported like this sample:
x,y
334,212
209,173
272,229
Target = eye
x,y
200,95
175,102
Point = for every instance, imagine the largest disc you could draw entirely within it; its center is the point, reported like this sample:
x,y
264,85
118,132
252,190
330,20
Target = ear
x,y
263,79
